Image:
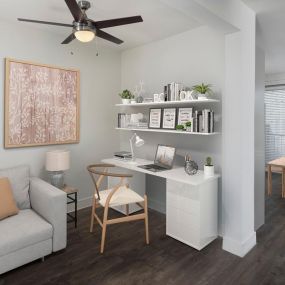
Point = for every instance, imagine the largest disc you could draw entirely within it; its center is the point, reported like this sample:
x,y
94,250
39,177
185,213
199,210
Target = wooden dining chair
x,y
118,195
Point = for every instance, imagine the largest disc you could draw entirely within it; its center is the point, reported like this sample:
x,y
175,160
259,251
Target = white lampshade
x,y
139,142
57,160
85,36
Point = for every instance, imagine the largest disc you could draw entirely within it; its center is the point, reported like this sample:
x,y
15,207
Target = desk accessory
x,y
57,161
123,155
190,166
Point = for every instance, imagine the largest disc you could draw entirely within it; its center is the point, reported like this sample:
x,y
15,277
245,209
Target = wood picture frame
x,y
154,121
42,104
169,118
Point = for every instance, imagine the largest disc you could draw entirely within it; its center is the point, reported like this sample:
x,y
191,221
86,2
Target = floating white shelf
x,y
168,131
170,103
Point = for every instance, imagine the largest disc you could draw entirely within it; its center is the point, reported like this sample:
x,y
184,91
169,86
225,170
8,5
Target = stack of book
x,y
123,155
203,121
172,91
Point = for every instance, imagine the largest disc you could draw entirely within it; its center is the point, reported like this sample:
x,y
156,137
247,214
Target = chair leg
x,y
105,218
103,236
92,216
146,220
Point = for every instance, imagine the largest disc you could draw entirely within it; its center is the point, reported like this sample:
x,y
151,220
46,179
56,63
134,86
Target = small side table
x,y
71,199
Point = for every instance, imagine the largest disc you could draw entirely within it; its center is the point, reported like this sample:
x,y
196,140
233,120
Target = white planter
x,y
126,101
188,129
133,101
202,96
209,170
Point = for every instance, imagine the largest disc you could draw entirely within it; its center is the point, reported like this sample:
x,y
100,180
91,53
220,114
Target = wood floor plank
x,y
128,260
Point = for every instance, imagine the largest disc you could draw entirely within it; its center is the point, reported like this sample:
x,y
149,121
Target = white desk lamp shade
x,y
57,160
139,142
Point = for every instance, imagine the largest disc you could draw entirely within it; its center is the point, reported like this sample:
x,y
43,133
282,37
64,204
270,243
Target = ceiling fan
x,y
85,29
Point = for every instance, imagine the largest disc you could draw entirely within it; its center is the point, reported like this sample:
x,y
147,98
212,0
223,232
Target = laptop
x,y
163,160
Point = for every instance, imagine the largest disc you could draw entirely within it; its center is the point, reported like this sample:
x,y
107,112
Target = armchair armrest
x,y
50,203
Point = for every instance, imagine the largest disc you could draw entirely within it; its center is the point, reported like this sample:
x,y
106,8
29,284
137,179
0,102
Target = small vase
x,y
188,129
126,101
209,170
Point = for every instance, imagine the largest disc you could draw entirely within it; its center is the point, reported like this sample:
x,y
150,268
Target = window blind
x,y
274,123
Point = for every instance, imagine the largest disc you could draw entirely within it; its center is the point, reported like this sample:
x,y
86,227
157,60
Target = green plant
x,y
126,94
188,124
203,88
180,127
209,161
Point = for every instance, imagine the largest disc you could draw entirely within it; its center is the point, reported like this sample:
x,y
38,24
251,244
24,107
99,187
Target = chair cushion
x,y
19,178
122,196
8,205
25,229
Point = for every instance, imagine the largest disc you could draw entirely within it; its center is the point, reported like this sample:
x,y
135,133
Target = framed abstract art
x,y
41,104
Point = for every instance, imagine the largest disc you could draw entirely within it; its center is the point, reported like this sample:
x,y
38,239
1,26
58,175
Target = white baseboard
x,y
239,248
81,204
156,205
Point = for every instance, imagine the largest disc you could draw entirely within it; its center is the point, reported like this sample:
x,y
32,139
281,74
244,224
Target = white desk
x,y
191,201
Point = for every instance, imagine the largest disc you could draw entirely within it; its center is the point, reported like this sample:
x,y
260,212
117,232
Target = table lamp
x,y
138,143
57,161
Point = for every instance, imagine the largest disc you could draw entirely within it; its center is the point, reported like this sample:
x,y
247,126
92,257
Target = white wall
x,y
259,140
192,57
100,83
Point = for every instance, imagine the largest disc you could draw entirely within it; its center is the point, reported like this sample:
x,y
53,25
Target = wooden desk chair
x,y
120,194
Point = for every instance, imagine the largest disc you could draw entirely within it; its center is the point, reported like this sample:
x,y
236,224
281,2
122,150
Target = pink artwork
x,y
41,105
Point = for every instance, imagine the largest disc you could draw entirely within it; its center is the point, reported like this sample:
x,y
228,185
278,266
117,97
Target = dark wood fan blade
x,y
108,37
44,22
75,10
117,22
69,39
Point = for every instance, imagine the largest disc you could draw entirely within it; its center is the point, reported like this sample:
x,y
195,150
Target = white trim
x,y
157,205
239,248
81,204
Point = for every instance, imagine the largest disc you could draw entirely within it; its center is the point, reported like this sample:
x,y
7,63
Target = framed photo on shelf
x,y
169,118
154,118
184,116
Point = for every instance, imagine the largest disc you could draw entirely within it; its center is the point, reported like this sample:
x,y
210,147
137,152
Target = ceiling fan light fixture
x,y
84,36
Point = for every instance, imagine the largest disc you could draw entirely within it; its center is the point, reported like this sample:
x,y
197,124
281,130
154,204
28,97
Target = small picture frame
x,y
169,118
154,118
184,116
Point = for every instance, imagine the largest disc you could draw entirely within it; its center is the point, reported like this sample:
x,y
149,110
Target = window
x,y
274,123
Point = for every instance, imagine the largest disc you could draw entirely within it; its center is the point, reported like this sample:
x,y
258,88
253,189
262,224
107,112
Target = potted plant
x,y
179,128
202,90
126,96
209,167
188,126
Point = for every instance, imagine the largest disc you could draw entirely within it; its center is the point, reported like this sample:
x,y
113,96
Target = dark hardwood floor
x,y
127,260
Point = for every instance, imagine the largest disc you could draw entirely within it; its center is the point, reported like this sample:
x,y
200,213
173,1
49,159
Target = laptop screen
x,y
164,156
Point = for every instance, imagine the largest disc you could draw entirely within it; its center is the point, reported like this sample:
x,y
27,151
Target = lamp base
x,y
57,179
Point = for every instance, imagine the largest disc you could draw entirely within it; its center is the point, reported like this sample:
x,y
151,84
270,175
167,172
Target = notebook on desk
x,y
163,160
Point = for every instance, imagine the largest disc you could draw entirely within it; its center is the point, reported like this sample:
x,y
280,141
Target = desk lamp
x,y
138,143
57,161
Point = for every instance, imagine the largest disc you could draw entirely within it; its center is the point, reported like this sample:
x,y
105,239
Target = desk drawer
x,y
182,196
174,215
183,227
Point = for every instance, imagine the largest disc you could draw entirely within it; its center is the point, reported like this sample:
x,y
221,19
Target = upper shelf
x,y
170,103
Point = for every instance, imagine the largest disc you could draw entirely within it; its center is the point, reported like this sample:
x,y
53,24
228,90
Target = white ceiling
x,y
160,20
271,21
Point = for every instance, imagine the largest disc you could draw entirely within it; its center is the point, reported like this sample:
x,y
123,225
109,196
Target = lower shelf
x,y
168,131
